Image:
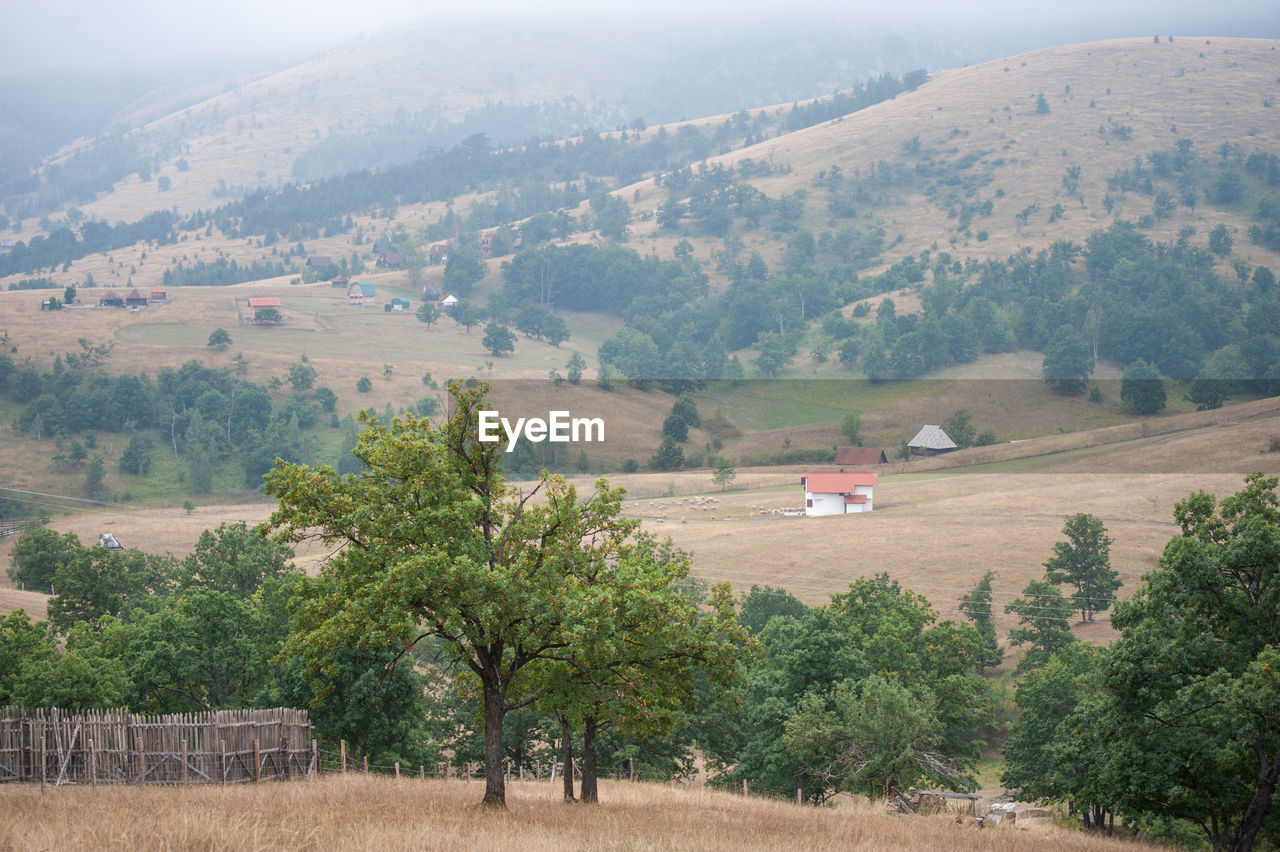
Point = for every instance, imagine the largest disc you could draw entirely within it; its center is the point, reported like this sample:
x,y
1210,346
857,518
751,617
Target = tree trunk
x,y
1251,822
590,794
566,754
495,699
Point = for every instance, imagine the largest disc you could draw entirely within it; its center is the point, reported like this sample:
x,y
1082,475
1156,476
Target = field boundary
x,y
54,746
1067,441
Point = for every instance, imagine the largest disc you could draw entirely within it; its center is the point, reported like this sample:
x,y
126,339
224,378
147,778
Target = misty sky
x,y
75,34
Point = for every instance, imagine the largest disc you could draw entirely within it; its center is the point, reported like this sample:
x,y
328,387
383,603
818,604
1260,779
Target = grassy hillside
x,y
353,812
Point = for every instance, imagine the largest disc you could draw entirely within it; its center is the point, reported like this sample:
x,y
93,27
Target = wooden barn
x,y
860,456
259,303
111,299
930,441
158,295
361,293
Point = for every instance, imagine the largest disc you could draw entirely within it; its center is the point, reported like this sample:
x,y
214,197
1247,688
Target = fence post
x,y
745,789
342,755
42,763
257,767
93,766
397,770
365,761
183,744
142,762
422,772
284,751
223,758
315,762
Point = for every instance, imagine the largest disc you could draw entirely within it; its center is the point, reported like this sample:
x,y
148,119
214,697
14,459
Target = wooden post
x,y
365,761
257,767
93,766
42,763
223,759
315,761
142,762
342,754
284,753
422,772
184,762
746,788
397,770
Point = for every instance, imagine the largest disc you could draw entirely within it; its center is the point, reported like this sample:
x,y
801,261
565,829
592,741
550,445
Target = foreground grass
x,y
354,812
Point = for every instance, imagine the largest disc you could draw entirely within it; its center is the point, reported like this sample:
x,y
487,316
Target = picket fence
x,y
53,746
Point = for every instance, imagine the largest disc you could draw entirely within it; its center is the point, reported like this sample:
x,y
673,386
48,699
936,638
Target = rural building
x,y
135,299
860,456
319,261
448,301
6,246
158,295
429,293
390,260
360,293
930,441
340,282
258,303
837,492
398,304
110,299
486,245
440,252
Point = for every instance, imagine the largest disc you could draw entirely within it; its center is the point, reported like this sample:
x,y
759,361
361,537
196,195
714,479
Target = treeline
x,y
64,245
222,271
883,88
207,419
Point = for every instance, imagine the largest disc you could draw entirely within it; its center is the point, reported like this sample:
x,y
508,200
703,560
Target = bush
x,y
364,385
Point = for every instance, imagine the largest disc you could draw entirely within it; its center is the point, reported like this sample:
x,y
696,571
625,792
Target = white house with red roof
x,y
829,492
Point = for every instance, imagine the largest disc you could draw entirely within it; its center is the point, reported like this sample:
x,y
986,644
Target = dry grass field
x,y
353,812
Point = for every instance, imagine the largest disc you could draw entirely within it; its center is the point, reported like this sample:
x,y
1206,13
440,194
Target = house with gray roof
x,y
930,441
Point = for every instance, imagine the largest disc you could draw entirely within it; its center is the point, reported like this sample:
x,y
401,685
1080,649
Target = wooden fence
x,y
8,528
116,747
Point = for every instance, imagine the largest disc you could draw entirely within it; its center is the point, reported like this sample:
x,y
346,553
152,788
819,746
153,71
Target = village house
x,y
135,299
110,299
260,303
360,293
930,441
319,261
837,492
439,253
449,301
340,282
429,293
390,260
158,295
860,456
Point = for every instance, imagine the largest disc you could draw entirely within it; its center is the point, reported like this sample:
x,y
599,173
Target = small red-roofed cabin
x,y
135,299
158,295
110,299
860,456
829,492
261,303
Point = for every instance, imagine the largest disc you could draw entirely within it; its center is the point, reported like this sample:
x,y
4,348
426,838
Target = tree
x,y
436,544
466,314
960,429
1068,361
1084,561
675,428
1143,388
1220,240
851,428
97,582
268,316
427,313
723,473
1043,624
364,385
575,366
976,605
668,456
1191,689
763,603
465,268
498,339
879,735
38,554
302,376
